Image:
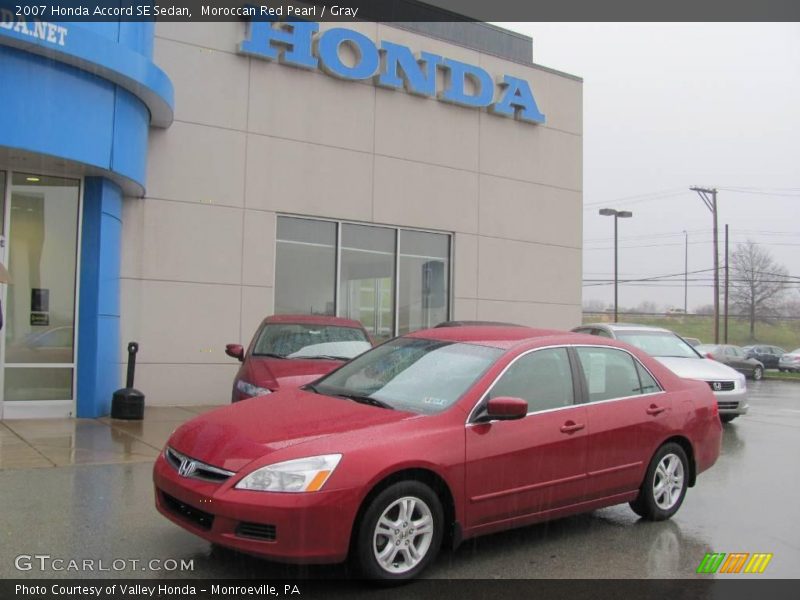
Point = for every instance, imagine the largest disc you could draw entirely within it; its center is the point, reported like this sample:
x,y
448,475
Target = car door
x,y
737,360
538,463
628,414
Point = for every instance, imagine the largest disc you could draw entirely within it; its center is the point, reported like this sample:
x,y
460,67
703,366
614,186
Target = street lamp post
x,y
617,214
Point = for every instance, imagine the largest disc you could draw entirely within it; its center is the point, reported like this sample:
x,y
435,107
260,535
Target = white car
x,y
790,361
728,385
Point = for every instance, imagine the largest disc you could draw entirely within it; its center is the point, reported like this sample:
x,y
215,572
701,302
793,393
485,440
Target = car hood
x,y
698,368
233,436
275,373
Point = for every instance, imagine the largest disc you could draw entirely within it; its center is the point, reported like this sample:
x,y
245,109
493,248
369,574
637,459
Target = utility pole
x,y
686,273
726,283
709,198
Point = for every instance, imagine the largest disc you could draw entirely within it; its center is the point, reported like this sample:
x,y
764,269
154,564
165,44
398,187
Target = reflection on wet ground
x,y
31,443
745,503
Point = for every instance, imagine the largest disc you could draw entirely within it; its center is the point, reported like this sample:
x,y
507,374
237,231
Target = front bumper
x,y
306,528
732,403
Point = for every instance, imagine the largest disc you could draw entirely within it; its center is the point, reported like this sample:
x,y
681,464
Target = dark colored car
x,y
290,350
769,356
436,437
734,357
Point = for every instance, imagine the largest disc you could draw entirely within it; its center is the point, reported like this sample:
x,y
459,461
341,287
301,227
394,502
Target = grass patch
x,y
782,376
783,333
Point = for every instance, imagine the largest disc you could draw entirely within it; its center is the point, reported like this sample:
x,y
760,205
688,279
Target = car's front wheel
x,y
664,486
400,532
758,373
727,418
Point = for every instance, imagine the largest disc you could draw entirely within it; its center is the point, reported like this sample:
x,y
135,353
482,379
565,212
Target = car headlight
x,y
299,475
742,383
251,390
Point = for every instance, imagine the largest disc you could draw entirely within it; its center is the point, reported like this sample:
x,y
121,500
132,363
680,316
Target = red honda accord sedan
x,y
290,350
435,437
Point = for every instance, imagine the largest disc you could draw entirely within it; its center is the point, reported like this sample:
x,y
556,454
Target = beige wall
x,y
252,139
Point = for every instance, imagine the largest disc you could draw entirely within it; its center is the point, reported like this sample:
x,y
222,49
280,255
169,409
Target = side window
x,y
601,333
542,378
609,373
649,385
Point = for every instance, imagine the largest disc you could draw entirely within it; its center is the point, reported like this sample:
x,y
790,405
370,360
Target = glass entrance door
x,y
40,227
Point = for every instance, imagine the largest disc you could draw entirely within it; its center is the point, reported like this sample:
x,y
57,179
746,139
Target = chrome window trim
x,y
469,422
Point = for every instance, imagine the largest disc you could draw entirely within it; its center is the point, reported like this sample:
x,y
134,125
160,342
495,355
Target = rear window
x,y
303,340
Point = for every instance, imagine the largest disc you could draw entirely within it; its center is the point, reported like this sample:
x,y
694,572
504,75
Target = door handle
x,y
571,427
655,410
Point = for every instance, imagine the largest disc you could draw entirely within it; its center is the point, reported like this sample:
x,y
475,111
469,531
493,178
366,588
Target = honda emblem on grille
x,y
716,385
187,468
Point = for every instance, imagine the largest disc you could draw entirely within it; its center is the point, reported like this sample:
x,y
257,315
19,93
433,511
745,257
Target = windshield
x,y
658,343
304,340
417,375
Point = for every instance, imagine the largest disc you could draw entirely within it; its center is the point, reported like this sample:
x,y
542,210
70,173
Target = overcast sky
x,y
668,106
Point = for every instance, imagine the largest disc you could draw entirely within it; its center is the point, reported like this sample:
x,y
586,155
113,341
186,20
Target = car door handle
x,y
655,410
571,427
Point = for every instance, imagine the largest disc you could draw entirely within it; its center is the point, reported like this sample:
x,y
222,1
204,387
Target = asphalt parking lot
x,y
746,503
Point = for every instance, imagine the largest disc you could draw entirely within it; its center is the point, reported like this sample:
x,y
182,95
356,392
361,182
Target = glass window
x,y
40,311
543,378
369,281
305,267
424,280
366,283
306,340
417,375
2,202
649,385
609,373
658,343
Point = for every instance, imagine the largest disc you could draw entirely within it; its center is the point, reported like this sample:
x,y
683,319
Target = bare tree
x,y
758,283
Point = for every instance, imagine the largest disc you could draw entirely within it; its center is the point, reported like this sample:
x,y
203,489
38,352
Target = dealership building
x,y
175,183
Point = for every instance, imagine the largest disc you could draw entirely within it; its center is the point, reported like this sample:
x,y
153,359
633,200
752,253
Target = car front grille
x,y
196,516
257,531
189,467
722,386
728,405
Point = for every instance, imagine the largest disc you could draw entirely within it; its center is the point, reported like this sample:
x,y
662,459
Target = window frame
x,y
397,229
474,416
585,400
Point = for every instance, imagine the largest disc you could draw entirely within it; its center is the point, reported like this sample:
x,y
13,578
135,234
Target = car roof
x,y
623,327
498,336
313,320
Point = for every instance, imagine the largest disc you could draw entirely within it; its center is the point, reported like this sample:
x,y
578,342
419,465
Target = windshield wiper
x,y
325,356
366,400
269,355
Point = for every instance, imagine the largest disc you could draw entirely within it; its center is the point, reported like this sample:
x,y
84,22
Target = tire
x,y
758,373
400,533
669,468
727,418
781,370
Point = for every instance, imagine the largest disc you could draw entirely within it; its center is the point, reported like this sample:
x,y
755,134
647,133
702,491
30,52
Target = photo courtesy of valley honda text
x,y
175,183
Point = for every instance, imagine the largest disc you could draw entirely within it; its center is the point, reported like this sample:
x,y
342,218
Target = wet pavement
x,y
88,510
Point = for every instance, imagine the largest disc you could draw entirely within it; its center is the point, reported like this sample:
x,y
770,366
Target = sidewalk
x,y
32,443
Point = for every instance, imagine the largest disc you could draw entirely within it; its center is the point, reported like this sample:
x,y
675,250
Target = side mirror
x,y
505,408
235,351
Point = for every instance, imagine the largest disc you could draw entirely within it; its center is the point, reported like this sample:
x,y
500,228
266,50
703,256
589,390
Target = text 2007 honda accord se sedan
x,y
435,437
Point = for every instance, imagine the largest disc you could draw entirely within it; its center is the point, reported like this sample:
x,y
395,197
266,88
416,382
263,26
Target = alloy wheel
x,y
668,481
403,535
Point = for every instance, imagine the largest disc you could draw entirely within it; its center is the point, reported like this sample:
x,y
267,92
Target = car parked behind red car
x,y
435,437
290,350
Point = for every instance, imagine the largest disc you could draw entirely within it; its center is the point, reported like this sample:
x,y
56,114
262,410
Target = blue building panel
x,y
87,93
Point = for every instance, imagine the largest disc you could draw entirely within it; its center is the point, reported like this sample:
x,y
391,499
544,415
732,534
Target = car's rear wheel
x,y
665,483
727,418
400,532
758,373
